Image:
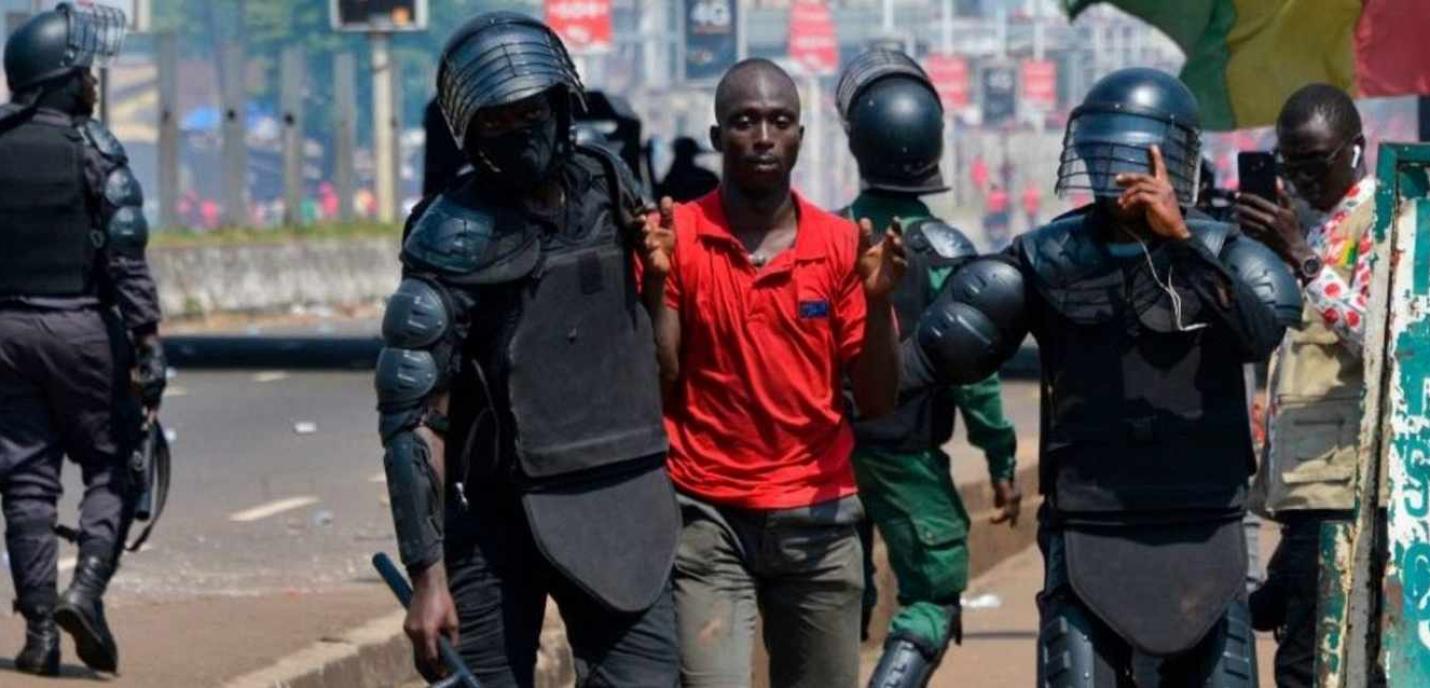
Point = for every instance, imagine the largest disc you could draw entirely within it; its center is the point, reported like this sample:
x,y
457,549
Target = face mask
x,y
521,157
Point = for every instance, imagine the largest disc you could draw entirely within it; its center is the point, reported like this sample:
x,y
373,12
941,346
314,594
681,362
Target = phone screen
x,y
1257,173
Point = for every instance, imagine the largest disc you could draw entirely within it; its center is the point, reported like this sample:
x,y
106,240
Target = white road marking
x,y
272,508
173,391
270,376
378,477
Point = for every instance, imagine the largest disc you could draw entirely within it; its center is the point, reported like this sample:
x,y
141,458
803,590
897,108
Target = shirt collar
x,y
716,226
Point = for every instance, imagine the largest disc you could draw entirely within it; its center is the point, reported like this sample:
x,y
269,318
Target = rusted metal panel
x,y
1376,613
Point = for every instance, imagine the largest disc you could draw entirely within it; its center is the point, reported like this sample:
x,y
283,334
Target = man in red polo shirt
x,y
770,303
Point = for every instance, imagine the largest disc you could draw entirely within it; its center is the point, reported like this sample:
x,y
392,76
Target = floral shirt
x,y
1342,305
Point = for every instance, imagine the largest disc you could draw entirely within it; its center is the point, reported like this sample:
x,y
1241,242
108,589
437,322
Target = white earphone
x,y
1355,159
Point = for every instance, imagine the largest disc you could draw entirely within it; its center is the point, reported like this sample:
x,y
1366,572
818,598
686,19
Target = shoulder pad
x,y
462,242
626,192
1261,269
1209,232
100,137
934,237
122,189
127,232
1062,251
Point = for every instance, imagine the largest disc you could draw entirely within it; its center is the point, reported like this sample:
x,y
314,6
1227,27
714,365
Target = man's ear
x,y
715,138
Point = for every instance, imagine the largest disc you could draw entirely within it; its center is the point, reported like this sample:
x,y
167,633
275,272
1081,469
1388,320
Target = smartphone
x,y
1257,172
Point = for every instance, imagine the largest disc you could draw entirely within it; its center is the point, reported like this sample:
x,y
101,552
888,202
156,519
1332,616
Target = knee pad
x,y
1067,657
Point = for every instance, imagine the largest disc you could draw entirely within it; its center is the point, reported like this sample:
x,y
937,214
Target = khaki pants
x,y
801,570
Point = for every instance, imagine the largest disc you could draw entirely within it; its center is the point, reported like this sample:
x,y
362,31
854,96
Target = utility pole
x,y
384,138
344,131
291,70
235,148
168,54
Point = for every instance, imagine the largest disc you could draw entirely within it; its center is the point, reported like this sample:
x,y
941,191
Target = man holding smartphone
x,y
1321,226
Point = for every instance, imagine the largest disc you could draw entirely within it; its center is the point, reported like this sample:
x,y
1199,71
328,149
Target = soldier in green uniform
x,y
895,125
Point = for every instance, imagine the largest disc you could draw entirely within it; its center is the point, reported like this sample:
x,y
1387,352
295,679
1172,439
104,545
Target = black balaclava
x,y
521,158
69,94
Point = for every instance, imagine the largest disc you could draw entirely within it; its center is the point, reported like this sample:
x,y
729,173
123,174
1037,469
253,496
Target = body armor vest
x,y
48,241
565,353
1140,421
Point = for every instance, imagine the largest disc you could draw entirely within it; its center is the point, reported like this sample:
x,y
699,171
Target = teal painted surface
x,y
1405,424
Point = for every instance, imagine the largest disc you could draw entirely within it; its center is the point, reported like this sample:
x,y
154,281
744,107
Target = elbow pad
x,y
416,496
415,361
1260,268
976,323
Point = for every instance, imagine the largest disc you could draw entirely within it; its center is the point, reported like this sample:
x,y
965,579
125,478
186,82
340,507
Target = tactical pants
x,y
500,583
798,570
63,391
914,503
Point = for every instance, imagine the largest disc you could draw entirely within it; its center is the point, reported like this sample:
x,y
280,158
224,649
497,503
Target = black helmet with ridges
x,y
56,43
1123,115
894,120
499,58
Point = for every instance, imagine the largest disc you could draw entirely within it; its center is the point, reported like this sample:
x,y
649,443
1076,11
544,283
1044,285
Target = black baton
x,y
461,675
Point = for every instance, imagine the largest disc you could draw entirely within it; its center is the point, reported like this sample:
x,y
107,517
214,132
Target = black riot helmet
x,y
1126,113
57,43
894,120
500,58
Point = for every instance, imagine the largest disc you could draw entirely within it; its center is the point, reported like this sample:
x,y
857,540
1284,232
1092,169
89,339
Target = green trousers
x,y
912,500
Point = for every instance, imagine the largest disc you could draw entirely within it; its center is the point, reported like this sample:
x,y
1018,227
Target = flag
x,y
1245,57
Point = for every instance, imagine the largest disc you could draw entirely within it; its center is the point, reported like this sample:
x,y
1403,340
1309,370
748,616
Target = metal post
x,y
816,138
168,55
394,125
382,132
946,28
1424,108
742,28
344,131
888,25
291,70
235,149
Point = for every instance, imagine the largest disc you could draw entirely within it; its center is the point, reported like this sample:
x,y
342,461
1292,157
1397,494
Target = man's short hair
x,y
737,73
1321,100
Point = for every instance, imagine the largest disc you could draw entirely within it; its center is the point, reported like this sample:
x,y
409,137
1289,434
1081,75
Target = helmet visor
x,y
96,33
1100,145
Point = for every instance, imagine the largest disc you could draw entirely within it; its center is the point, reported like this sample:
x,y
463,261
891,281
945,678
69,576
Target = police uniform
x,y
895,125
1145,440
530,319
74,287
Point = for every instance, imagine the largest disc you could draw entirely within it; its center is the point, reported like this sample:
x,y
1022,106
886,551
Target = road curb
x,y
373,655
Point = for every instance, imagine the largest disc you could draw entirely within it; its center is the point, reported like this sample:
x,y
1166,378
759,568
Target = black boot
x,y
81,614
41,654
903,665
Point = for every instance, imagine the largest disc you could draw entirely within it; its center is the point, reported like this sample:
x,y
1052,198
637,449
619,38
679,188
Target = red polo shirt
x,y
758,421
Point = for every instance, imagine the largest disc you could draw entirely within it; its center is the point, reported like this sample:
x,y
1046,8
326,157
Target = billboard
x,y
949,74
583,25
1040,83
378,15
812,40
998,89
711,44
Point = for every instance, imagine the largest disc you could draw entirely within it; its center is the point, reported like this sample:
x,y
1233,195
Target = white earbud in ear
x,y
1355,159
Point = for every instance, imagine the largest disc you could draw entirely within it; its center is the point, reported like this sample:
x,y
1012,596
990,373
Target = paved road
x,y
276,506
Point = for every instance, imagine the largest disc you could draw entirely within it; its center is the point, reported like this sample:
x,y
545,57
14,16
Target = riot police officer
x,y
895,124
519,392
79,319
1144,315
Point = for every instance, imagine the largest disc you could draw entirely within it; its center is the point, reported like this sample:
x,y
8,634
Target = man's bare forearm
x,y
665,322
875,373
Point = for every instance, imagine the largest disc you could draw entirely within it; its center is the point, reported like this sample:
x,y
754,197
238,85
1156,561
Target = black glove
x,y
150,372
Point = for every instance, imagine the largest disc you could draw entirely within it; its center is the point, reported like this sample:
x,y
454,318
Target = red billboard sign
x,y
1040,83
583,25
812,41
949,74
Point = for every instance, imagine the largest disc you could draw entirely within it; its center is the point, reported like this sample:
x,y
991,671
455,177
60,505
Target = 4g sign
x,y
710,45
379,15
